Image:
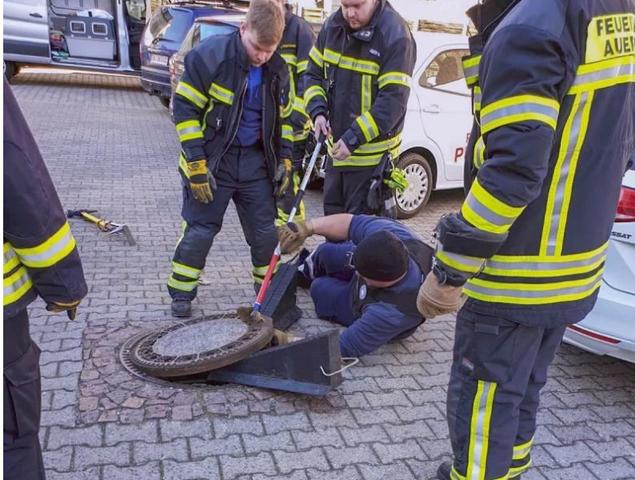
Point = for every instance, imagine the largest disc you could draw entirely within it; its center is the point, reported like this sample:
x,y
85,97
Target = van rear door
x,y
26,31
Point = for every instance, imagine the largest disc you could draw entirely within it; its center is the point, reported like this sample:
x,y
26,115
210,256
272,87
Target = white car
x,y
610,327
438,121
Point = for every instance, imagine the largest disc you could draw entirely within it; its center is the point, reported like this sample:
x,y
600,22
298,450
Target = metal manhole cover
x,y
201,345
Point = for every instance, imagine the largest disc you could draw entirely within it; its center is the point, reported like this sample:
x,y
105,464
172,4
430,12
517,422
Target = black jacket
x,y
361,81
208,102
40,254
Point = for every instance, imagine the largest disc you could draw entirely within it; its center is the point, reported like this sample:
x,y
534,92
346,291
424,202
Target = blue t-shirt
x,y
251,120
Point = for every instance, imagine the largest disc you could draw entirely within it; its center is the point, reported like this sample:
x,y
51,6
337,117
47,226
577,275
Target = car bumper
x,y
156,81
610,327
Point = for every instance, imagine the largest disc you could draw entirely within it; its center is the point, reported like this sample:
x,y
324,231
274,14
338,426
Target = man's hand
x,y
69,307
283,178
321,126
341,151
435,299
293,235
202,182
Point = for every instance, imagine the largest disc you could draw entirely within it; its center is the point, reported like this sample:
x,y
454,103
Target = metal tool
x,y
110,228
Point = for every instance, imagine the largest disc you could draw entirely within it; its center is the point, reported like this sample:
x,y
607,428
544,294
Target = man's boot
x,y
181,308
444,470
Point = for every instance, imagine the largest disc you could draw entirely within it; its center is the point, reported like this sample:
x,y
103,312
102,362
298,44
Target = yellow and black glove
x,y
202,182
292,235
284,177
397,180
69,307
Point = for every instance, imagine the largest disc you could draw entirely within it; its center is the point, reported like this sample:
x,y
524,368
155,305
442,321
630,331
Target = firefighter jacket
x,y
40,255
554,92
360,80
208,103
297,41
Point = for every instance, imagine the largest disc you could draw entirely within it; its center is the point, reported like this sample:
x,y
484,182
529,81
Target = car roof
x,y
233,19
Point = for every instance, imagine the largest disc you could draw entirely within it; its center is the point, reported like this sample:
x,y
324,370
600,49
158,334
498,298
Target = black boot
x,y
443,472
181,308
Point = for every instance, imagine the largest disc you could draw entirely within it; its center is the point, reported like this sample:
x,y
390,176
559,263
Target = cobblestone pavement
x,y
111,147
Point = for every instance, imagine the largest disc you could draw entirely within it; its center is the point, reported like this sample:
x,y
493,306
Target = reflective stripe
x,y
302,66
454,475
394,78
192,94
312,92
533,293
520,108
48,253
258,273
470,69
479,430
488,213
478,157
287,132
221,94
607,73
561,186
462,263
185,271
367,92
16,286
10,259
350,63
547,266
189,130
370,154
522,450
182,286
290,58
477,99
369,127
317,57
515,472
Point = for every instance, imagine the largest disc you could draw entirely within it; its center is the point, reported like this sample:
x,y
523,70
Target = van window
x,y
445,69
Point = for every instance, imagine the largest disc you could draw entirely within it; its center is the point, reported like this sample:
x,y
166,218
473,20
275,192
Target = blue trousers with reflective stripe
x,y
241,177
498,370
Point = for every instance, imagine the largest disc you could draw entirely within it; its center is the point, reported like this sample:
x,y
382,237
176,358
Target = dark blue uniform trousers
x,y
241,177
498,370
22,401
345,190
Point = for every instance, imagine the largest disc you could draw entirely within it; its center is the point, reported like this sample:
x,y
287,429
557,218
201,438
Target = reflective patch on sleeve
x,y
192,94
57,247
520,108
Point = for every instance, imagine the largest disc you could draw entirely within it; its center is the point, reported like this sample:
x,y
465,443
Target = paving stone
x,y
255,444
207,469
355,436
224,446
145,432
59,437
149,471
342,418
577,471
395,471
171,429
397,451
295,475
232,467
620,469
91,456
224,427
318,438
570,454
58,460
93,473
279,423
288,461
341,457
176,450
348,473
416,429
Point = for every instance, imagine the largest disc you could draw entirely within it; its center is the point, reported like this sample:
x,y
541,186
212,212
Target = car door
x,y
135,21
445,107
26,31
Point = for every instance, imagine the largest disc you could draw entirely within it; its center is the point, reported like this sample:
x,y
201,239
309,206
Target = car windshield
x,y
207,30
172,25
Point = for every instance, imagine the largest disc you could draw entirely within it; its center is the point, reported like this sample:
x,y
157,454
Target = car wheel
x,y
420,181
165,101
10,70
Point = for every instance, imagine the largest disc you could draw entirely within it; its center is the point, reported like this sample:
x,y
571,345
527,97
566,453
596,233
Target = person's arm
x,y
334,227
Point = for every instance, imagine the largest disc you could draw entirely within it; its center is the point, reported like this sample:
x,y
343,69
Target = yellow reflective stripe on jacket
x,y
394,78
486,212
221,94
560,190
533,293
478,447
370,154
182,286
314,91
192,94
366,93
477,99
515,472
290,58
10,259
470,69
15,286
478,158
380,146
350,63
522,450
189,130
369,127
317,57
535,266
302,66
603,74
519,108
462,263
186,271
287,132
258,273
48,253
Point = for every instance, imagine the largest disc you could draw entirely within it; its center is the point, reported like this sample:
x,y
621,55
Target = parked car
x,y
97,35
610,327
164,35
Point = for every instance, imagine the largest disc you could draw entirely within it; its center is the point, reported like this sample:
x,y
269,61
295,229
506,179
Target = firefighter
x,y
554,106
227,110
365,277
297,41
358,83
40,259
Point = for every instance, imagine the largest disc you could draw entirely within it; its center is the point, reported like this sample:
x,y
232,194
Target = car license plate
x,y
159,59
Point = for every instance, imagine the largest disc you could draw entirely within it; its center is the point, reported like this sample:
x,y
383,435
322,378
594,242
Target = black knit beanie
x,y
381,256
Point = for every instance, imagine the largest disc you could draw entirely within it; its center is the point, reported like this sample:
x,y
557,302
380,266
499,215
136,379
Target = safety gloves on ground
x,y
284,177
293,235
202,182
69,307
397,180
435,299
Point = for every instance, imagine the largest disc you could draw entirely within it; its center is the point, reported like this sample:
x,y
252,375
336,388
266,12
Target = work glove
x,y
202,182
69,307
283,338
435,299
292,235
283,178
397,180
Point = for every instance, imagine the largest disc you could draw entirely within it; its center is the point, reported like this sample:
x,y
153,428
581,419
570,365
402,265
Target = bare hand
x,y
341,151
322,126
